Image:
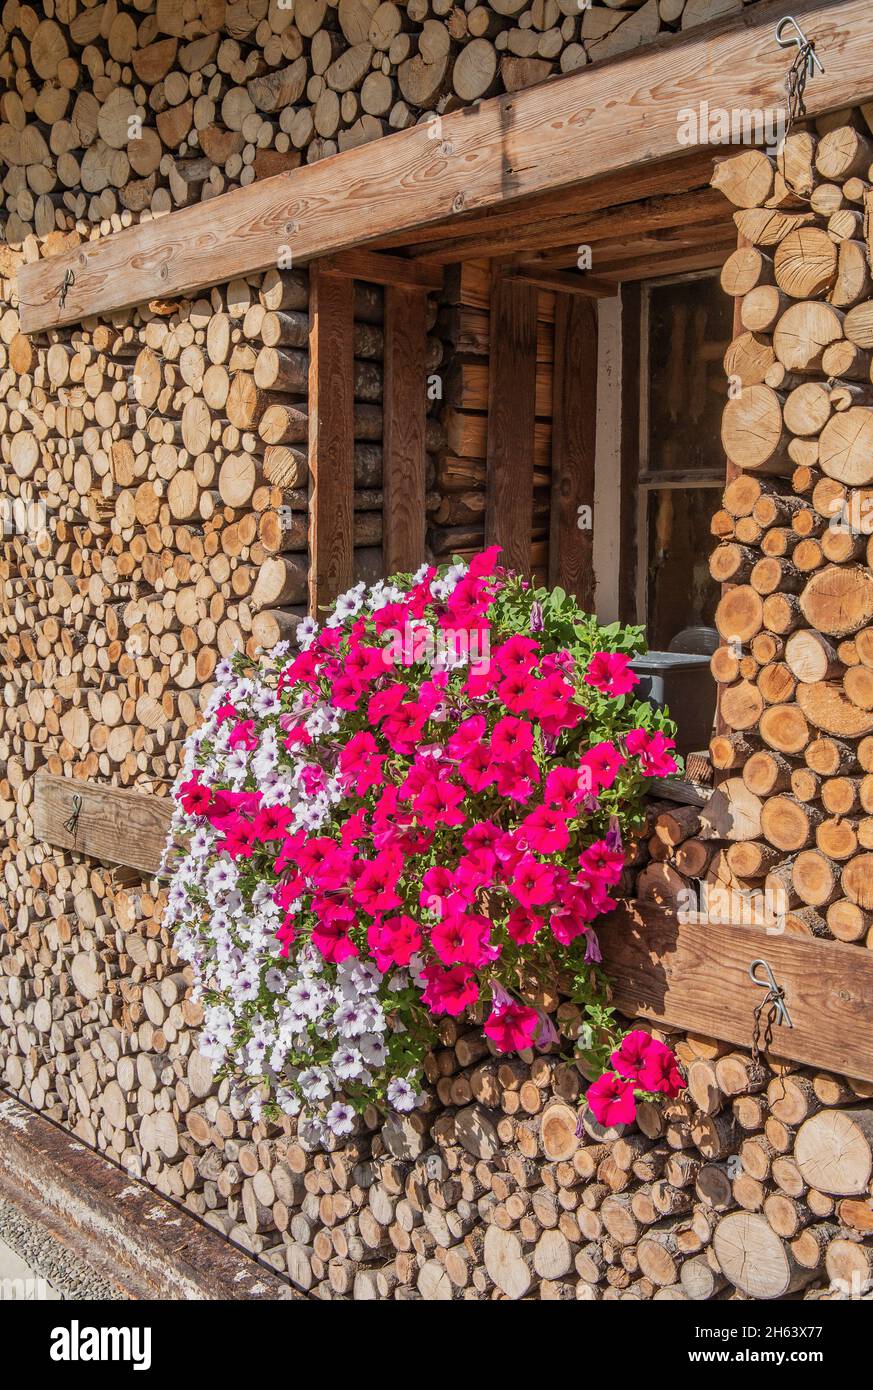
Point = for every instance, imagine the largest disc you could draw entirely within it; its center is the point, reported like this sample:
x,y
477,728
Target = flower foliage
x,y
417,812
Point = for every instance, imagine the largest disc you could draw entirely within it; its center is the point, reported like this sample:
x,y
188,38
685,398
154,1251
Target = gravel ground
x,y
72,1277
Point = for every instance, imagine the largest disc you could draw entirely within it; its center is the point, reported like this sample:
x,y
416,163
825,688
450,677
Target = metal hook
x,y
799,39
69,281
775,994
72,823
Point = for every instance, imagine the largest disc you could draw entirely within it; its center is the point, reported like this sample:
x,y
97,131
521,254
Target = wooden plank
x,y
586,286
122,827
547,218
511,418
404,415
675,789
696,977
683,263
621,114
380,269
574,417
331,436
629,453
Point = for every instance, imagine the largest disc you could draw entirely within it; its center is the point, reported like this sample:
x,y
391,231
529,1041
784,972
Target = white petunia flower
x,y
340,1118
401,1094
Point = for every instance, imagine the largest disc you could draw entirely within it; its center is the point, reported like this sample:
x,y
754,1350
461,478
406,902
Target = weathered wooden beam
x,y
145,1245
379,268
547,218
404,417
696,977
511,418
682,263
331,436
121,827
574,415
622,114
562,282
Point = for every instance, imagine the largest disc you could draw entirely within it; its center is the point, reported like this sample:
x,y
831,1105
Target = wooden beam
x,y
404,416
511,417
644,244
380,269
331,436
621,114
574,415
561,282
551,217
696,977
122,827
681,263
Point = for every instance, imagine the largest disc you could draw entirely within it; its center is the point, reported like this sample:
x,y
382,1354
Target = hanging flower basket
x,y
417,813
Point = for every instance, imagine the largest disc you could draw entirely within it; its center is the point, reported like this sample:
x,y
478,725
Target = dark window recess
x,y
682,593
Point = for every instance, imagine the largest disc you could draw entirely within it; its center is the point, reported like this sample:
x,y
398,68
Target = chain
x,y
803,67
72,823
68,282
774,1004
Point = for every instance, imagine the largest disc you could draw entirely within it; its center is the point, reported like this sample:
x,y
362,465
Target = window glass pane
x,y
682,593
689,329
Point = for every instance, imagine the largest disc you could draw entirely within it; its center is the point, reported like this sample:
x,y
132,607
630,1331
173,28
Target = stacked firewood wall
x,y
112,112
457,525
755,1183
796,671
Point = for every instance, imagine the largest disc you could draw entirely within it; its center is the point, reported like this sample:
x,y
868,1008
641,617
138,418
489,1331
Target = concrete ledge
x,y
147,1247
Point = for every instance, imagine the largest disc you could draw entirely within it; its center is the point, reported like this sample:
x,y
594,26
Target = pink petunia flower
x,y
611,1100
660,1071
602,764
532,883
628,1059
610,672
512,1027
449,991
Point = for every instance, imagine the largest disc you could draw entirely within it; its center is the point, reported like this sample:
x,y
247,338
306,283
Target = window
x,y
685,328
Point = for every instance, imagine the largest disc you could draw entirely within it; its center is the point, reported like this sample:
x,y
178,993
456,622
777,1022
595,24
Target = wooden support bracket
x,y
695,976
563,282
619,115
380,268
122,827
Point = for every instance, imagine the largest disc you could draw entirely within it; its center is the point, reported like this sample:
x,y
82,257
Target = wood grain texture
x,y
331,436
511,417
404,417
378,268
618,114
564,282
695,975
574,419
122,827
631,327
